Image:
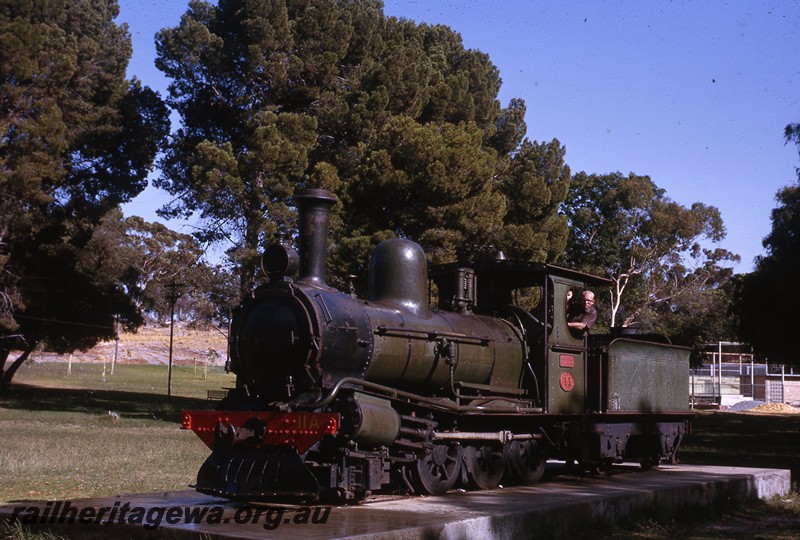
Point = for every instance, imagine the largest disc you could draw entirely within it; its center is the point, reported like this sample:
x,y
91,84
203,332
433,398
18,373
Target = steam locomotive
x,y
340,398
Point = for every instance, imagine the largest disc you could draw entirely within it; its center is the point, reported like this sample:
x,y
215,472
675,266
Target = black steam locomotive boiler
x,y
342,397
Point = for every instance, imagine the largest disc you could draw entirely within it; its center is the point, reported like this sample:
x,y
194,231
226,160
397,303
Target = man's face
x,y
587,303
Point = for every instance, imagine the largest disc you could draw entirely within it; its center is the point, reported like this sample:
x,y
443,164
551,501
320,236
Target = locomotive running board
x,y
257,475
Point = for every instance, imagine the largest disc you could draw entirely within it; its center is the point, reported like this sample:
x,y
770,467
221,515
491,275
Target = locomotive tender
x,y
339,397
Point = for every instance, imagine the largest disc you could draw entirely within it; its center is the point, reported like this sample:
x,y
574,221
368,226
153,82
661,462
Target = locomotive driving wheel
x,y
485,466
437,472
527,460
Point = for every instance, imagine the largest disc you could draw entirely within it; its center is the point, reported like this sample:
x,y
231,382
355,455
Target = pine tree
x,y
398,119
78,139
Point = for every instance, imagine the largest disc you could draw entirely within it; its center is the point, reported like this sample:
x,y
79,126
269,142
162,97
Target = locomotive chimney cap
x,y
315,194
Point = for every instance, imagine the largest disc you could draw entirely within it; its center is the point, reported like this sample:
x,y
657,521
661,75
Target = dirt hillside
x,y
150,345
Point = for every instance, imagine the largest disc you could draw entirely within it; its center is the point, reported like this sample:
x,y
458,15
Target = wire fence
x,y
730,377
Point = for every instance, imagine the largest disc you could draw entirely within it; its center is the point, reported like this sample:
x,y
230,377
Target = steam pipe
x,y
395,393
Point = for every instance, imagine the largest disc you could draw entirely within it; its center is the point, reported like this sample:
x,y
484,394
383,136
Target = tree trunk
x,y
8,374
4,352
616,296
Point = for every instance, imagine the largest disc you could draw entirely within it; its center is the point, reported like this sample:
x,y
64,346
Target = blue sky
x,y
695,94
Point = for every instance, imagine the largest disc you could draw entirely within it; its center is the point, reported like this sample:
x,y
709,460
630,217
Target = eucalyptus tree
x,y
627,229
164,265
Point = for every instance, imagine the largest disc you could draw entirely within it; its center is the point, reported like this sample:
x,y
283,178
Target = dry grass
x,y
60,442
150,345
187,381
67,455
17,531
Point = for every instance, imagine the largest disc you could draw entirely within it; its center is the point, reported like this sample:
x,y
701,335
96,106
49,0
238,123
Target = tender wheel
x,y
527,461
437,472
485,466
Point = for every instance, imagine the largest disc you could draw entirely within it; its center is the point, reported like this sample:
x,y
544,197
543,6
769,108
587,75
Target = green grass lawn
x,y
187,381
66,455
59,441
745,440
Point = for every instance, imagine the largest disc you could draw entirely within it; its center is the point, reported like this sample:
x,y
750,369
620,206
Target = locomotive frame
x,y
339,397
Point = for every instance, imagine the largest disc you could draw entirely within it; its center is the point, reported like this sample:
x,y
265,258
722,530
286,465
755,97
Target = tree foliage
x,y
162,263
78,139
626,228
769,295
427,182
158,265
535,187
398,119
697,307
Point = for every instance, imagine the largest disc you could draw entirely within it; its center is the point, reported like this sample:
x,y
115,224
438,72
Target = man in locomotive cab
x,y
581,315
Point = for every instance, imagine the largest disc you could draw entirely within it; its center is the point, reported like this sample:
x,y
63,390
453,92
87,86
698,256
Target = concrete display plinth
x,y
559,503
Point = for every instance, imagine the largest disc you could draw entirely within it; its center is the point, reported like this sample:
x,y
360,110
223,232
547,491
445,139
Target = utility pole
x,y
173,297
116,343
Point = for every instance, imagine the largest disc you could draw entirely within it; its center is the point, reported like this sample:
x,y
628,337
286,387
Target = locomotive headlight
x,y
279,260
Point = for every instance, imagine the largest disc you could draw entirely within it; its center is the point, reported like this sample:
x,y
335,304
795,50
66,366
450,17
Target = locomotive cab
x,y
533,298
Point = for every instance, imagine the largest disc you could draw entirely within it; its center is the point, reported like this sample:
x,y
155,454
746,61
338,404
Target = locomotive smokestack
x,y
314,207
